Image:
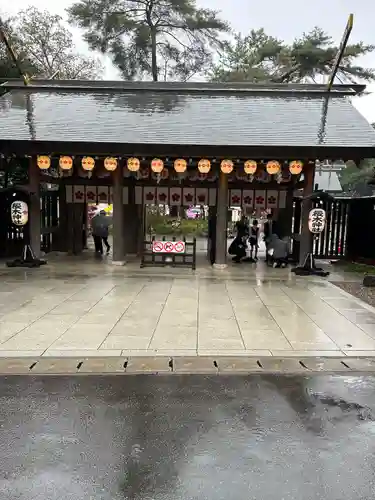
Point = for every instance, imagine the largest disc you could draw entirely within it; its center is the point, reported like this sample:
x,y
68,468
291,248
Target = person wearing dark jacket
x,y
100,230
267,230
238,245
254,236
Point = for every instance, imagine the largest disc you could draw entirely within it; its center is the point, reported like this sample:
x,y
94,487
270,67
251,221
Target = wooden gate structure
x,y
134,143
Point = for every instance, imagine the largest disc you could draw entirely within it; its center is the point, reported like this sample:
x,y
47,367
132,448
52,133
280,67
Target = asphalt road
x,y
187,438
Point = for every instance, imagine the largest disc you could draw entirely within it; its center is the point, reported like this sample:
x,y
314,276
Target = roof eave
x,y
182,87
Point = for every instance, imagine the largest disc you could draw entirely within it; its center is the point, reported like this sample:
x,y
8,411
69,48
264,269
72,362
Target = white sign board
x,y
317,220
172,247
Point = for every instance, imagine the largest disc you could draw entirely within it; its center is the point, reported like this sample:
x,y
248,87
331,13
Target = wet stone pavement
x,y
187,437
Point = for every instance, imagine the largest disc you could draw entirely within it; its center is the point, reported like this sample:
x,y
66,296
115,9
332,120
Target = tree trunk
x,y
154,62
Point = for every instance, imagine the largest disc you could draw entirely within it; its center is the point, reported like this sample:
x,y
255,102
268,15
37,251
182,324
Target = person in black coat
x,y
267,230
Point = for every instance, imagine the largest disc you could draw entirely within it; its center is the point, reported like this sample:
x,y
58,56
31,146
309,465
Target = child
x,y
254,236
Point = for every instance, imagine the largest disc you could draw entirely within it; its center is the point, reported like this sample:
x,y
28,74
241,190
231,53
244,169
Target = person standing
x,y
100,230
267,230
254,237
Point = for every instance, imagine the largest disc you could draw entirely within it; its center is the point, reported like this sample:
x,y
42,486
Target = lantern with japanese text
x,y
226,166
250,167
180,165
157,165
110,164
19,213
66,162
273,167
43,162
204,166
295,167
133,164
88,163
317,220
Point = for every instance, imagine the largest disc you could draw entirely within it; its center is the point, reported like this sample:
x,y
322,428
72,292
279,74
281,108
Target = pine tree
x,y
161,39
259,57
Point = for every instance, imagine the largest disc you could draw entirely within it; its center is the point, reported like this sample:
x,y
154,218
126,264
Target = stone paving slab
x,y
272,365
327,365
103,365
238,365
195,365
16,366
361,364
57,366
148,365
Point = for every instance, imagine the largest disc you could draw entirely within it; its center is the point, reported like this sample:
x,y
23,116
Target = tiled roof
x,y
173,115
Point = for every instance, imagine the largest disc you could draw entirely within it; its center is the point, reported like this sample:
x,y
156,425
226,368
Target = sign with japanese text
x,y
317,220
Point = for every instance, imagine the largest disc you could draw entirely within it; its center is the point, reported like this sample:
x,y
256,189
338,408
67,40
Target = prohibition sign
x,y
168,247
157,246
179,247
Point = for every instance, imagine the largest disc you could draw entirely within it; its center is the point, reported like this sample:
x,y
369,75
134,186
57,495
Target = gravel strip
x,y
358,290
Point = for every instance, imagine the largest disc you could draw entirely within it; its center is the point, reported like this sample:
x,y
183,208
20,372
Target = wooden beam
x,y
340,52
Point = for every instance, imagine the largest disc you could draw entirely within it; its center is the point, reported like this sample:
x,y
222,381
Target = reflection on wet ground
x,y
187,437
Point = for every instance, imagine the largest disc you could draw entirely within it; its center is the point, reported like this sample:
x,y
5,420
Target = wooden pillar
x,y
118,219
285,215
306,237
34,208
221,222
132,222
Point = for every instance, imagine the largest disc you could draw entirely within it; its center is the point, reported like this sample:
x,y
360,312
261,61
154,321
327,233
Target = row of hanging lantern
x,y
273,167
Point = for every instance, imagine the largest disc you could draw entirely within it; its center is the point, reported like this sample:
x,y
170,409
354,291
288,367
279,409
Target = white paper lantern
x,y
19,213
317,220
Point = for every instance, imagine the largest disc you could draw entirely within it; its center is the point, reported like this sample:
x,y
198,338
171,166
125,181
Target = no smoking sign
x,y
168,247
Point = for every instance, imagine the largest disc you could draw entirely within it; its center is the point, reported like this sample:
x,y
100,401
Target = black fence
x,y
167,257
361,230
49,220
332,242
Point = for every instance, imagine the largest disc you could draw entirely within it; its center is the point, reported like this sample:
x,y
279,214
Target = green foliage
x,y
356,180
161,39
259,57
44,48
163,225
15,172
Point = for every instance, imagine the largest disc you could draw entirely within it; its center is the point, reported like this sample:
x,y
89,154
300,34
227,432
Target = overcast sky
x,y
285,19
